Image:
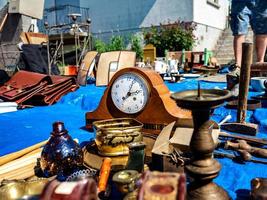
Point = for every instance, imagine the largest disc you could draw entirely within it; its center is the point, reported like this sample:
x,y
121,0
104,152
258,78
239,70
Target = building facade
x,y
125,17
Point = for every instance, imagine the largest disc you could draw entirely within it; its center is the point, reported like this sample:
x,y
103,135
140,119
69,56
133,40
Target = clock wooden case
x,y
139,93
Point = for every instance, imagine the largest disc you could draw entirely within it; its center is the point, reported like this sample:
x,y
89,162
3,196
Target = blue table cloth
x,y
24,128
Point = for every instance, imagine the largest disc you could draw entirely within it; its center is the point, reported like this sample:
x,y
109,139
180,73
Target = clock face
x,y
130,93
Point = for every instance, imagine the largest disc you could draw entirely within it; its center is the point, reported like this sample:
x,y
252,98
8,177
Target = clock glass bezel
x,y
146,87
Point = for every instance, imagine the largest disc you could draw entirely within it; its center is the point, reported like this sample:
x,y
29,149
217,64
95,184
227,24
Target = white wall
x,y
206,37
210,15
211,22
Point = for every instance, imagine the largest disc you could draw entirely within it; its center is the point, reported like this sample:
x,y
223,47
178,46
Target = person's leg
x,y
237,44
261,43
240,17
259,26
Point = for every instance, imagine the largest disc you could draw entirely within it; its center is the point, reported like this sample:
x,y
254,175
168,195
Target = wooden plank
x,y
36,38
24,38
12,156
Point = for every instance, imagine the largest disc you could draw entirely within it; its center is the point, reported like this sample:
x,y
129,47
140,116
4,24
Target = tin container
x,y
125,180
113,136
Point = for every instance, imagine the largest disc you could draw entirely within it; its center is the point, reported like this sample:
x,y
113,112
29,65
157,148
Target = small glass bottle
x,y
61,155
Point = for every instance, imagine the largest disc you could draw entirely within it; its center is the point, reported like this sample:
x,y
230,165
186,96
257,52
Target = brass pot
x,y
113,136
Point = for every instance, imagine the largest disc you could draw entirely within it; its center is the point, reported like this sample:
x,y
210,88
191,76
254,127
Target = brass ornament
x,y
125,180
202,168
17,189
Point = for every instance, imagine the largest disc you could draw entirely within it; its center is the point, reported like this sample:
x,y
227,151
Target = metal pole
x,y
76,47
48,53
62,48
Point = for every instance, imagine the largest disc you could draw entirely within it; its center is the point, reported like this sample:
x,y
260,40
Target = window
x,y
214,3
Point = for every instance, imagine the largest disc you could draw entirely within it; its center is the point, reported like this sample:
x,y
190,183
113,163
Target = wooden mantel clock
x,y
139,93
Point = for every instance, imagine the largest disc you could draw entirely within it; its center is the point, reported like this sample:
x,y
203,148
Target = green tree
x,y
137,47
172,36
116,44
100,46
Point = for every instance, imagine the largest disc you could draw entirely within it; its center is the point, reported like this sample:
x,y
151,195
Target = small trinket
x,y
61,155
77,190
162,186
136,156
132,195
125,180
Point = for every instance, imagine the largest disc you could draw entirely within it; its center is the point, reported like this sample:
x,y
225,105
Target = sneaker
x,y
234,70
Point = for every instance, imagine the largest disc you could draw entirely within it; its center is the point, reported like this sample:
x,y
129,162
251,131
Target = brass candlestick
x,y
202,168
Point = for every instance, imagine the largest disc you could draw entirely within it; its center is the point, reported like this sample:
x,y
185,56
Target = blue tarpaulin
x,y
26,127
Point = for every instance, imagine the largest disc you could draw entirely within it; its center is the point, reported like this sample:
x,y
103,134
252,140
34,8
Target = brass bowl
x,y
114,135
17,189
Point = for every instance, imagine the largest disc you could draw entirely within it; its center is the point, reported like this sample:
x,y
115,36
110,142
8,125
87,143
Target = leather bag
x,y
36,89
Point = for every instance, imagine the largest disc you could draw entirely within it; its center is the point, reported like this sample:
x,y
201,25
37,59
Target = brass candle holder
x,y
203,168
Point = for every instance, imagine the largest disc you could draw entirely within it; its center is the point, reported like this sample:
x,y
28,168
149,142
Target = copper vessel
x,y
114,135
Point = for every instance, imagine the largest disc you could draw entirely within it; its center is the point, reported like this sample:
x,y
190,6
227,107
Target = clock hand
x,y
132,93
130,88
129,93
136,92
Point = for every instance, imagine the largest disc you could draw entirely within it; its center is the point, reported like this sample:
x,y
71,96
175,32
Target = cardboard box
x,y
31,8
